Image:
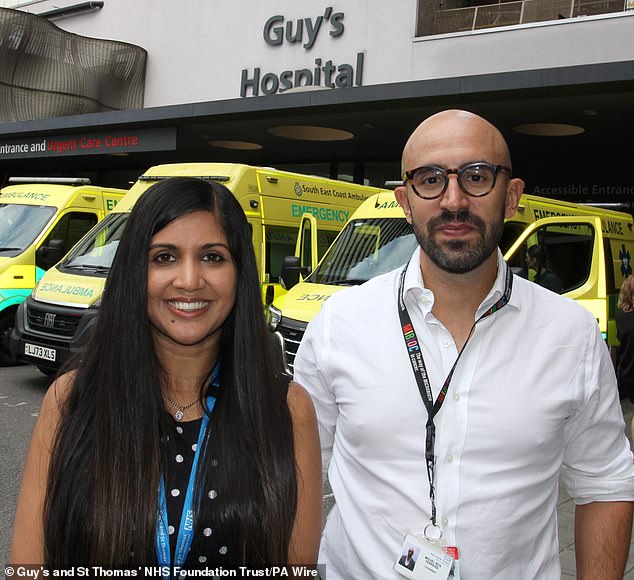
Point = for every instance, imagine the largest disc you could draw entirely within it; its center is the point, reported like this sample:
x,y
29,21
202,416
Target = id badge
x,y
421,559
454,574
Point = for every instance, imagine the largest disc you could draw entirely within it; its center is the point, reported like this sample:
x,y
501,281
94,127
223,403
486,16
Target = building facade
x,y
335,89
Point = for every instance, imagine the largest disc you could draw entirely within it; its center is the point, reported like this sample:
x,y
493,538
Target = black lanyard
x,y
422,379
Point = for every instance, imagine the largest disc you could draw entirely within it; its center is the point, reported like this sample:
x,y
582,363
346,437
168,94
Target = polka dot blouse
x,y
207,549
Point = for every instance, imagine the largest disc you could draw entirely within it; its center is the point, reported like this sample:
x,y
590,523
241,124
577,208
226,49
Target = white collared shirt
x,y
534,395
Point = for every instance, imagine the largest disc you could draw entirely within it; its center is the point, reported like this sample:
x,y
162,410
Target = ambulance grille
x,y
51,322
293,332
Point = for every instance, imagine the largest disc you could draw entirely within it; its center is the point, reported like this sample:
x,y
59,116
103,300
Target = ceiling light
x,y
310,133
239,145
549,129
305,89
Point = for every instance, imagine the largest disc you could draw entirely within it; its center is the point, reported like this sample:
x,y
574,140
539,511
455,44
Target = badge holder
x,y
424,557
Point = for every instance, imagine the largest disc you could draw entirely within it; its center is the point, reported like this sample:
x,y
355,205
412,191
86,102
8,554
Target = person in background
x,y
175,441
452,395
625,333
544,274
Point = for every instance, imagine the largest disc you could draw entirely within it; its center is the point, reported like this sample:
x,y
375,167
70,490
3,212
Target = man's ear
x,y
513,195
401,196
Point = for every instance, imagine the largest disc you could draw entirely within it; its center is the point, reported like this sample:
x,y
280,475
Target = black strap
x,y
422,379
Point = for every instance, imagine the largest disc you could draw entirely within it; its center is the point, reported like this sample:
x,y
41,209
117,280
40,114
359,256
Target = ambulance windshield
x,y
20,225
95,253
365,249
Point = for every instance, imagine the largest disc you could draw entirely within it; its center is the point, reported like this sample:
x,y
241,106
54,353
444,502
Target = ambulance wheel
x,y
50,373
7,322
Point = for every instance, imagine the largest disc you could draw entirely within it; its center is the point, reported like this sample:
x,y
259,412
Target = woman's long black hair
x,y
108,455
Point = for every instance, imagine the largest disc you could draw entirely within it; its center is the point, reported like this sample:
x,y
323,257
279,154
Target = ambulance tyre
x,y
50,373
7,322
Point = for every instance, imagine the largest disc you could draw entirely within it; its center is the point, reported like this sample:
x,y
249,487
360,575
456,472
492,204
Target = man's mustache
x,y
460,217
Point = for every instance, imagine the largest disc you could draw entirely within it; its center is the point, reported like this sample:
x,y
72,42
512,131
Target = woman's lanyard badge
x,y
426,556
186,529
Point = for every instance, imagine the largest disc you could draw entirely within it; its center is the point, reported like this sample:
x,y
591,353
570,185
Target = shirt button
x,y
445,521
445,343
449,457
456,397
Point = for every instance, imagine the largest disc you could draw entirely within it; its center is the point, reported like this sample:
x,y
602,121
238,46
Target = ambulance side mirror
x,y
292,270
49,254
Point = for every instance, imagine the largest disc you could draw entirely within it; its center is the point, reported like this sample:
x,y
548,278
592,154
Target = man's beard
x,y
459,256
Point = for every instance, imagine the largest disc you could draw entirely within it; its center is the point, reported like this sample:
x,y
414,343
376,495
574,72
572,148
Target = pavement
x,y
565,517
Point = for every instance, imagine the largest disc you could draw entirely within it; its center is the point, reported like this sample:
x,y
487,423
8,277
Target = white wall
x,y
198,48
584,40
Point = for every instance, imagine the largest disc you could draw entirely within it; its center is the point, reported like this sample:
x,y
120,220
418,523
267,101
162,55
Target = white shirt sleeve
x,y
310,364
597,463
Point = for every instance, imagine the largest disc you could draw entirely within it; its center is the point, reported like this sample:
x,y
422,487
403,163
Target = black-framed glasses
x,y
475,179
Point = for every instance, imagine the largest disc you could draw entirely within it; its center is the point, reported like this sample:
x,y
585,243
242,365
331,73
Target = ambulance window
x,y
95,254
306,247
559,256
512,231
325,238
279,243
71,227
610,280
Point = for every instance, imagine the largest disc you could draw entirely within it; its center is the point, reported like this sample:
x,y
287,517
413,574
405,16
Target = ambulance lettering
x,y
387,205
542,213
312,297
25,195
611,227
64,289
323,213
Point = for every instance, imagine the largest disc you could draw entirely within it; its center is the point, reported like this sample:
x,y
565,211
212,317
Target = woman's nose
x,y
189,276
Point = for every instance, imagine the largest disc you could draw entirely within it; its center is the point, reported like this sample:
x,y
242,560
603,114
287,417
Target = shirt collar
x,y
414,282
414,285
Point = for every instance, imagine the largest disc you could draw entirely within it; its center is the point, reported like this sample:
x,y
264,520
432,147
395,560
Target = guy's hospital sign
x,y
321,72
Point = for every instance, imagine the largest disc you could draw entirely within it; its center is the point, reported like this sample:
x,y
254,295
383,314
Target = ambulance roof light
x,y
52,180
205,177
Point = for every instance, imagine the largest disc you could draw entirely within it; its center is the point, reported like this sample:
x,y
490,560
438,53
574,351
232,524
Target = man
x,y
407,560
532,396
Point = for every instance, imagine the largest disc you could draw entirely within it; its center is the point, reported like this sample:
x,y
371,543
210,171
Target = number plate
x,y
39,351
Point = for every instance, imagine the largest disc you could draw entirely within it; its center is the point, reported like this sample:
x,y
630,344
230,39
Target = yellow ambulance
x,y
588,247
54,322
40,220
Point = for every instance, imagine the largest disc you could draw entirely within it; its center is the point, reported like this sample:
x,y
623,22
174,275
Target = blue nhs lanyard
x,y
186,528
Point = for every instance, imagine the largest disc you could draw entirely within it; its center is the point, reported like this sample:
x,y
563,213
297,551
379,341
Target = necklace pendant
x,y
179,415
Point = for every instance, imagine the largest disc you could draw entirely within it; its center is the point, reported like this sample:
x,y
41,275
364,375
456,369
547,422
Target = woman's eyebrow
x,y
174,247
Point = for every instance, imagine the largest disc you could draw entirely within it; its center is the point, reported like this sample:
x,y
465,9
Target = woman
x,y
625,333
179,373
544,274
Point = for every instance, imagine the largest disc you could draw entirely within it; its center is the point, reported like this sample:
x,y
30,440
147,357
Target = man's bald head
x,y
454,131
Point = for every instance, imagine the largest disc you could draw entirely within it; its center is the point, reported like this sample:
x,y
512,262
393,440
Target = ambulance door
x,y
305,259
566,255
69,228
306,248
277,241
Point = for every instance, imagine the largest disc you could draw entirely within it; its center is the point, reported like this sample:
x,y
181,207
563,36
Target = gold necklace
x,y
180,413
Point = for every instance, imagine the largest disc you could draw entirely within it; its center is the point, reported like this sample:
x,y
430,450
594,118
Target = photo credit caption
x,y
38,572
